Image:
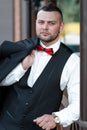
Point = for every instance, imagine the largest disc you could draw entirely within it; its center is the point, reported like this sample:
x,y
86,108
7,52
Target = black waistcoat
x,y
25,104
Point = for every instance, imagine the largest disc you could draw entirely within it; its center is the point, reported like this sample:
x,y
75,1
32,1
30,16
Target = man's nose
x,y
45,26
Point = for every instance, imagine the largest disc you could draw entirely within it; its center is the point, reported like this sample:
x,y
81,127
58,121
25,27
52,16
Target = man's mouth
x,y
45,33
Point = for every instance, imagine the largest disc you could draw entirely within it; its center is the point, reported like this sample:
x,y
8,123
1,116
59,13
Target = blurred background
x,y
17,20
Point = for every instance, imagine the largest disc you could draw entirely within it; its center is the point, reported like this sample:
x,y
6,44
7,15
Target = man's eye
x,y
51,23
40,22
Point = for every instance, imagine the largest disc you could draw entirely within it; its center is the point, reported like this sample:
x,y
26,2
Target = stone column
x,y
17,31
83,56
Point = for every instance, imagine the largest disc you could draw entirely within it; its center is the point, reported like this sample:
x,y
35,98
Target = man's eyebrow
x,y
46,20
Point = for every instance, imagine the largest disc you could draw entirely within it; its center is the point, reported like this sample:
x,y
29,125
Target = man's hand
x,y
28,60
46,122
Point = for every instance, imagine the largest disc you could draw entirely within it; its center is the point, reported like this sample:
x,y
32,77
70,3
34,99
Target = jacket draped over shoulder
x,y
11,53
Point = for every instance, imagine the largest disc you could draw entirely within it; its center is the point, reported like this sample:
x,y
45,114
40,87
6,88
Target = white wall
x,y
6,20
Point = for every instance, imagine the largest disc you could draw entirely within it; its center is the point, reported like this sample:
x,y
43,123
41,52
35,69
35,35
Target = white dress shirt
x,y
70,79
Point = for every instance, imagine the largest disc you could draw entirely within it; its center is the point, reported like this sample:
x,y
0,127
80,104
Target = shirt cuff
x,y
21,68
62,118
19,71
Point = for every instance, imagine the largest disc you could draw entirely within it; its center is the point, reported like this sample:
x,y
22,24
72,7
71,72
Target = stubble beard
x,y
48,39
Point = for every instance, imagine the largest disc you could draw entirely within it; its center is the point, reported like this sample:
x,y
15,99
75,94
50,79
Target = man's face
x,y
48,26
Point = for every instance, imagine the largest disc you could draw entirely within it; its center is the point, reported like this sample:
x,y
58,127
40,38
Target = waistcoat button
x,y
26,103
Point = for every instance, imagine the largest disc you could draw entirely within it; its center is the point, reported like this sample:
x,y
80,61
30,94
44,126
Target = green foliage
x,y
70,9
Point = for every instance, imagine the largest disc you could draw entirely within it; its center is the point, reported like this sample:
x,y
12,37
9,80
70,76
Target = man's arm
x,y
17,73
70,114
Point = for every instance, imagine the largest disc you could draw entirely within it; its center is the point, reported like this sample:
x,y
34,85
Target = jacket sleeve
x,y
7,47
11,54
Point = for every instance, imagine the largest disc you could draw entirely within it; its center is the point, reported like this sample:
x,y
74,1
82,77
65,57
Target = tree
x,y
71,10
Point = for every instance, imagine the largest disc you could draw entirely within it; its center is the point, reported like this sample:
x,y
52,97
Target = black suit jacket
x,y
10,55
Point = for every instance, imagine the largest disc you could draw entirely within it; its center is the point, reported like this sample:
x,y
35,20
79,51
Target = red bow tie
x,y
47,50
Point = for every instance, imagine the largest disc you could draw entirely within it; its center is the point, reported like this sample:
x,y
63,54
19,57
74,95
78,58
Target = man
x,y
38,81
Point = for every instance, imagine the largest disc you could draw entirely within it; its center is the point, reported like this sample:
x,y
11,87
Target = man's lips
x,y
44,33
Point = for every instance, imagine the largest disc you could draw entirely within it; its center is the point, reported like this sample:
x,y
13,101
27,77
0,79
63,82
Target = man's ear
x,y
61,27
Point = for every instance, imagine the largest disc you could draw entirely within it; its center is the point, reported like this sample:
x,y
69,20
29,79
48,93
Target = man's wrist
x,y
56,119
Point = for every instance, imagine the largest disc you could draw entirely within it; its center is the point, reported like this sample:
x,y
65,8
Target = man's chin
x,y
44,39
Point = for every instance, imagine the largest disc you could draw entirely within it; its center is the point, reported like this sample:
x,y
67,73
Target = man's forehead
x,y
45,15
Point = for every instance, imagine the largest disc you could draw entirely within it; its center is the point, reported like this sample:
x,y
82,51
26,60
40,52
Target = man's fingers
x,y
45,122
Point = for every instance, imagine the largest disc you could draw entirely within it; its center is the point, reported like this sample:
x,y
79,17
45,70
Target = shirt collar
x,y
55,46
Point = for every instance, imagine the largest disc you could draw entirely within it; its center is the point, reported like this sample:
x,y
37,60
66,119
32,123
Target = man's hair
x,y
51,7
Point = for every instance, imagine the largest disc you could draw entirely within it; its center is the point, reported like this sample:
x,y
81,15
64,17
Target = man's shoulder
x,y
28,41
65,47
